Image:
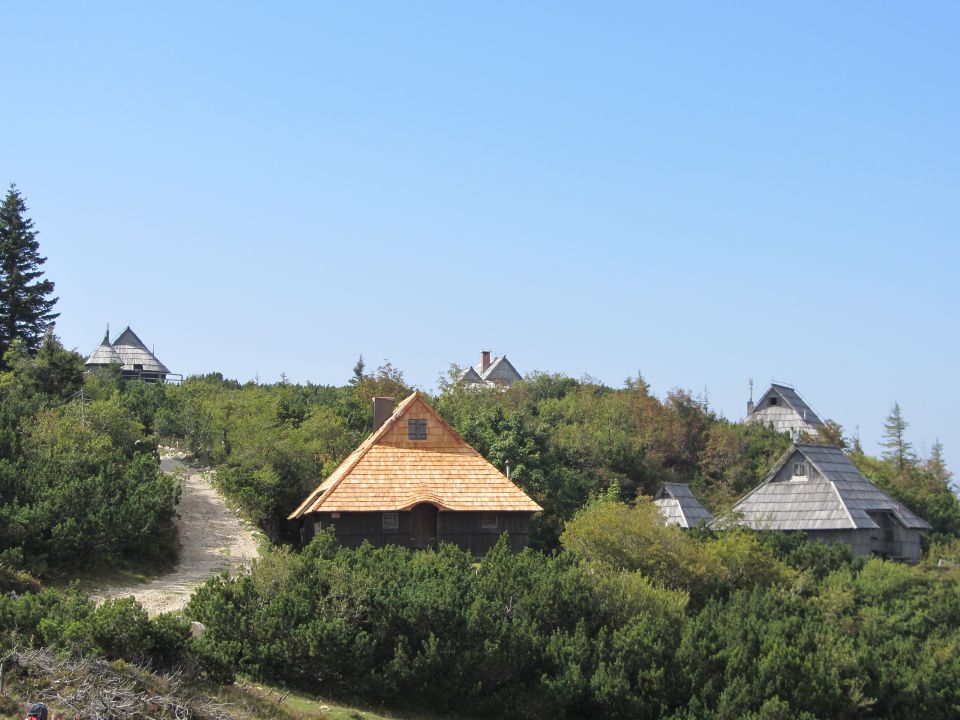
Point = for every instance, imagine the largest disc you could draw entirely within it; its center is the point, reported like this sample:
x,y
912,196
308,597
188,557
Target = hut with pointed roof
x,y
817,490
129,352
679,506
415,482
498,372
784,410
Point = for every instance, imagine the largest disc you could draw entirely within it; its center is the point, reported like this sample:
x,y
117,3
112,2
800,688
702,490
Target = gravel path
x,y
212,539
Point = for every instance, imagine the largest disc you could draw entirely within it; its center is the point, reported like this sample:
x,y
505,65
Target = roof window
x,y
799,471
417,429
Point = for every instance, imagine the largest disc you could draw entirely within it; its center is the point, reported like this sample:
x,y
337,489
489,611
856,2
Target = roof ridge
x,y
359,453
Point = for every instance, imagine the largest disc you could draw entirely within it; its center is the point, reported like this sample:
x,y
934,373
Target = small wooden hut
x,y
817,490
679,506
415,482
785,411
496,372
133,357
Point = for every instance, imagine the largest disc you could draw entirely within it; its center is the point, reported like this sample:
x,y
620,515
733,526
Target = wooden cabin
x,y
679,506
785,411
415,482
133,357
817,490
498,372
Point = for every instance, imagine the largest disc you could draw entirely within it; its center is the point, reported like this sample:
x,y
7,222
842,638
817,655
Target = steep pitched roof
x,y
133,352
792,400
104,354
837,497
389,472
470,375
499,363
679,506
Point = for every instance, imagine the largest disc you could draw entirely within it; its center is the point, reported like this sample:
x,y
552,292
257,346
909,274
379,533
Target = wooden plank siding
x,y
463,529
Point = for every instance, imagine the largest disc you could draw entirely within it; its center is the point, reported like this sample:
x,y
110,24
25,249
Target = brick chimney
x,y
382,410
484,360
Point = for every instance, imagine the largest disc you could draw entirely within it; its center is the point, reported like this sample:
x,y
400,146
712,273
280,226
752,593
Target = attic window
x,y
773,400
390,521
800,470
417,429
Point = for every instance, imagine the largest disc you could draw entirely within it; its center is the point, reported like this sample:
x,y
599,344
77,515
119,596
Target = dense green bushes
x,y
118,629
79,479
527,635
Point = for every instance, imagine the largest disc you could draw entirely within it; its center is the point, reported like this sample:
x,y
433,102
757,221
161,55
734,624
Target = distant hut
x,y
415,482
133,357
817,490
784,410
679,506
499,371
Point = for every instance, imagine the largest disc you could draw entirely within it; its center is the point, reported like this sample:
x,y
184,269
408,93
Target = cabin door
x,y
423,526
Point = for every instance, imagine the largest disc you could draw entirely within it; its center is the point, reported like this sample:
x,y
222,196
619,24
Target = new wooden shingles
x,y
389,471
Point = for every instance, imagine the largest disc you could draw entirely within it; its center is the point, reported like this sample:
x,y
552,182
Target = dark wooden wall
x,y
464,529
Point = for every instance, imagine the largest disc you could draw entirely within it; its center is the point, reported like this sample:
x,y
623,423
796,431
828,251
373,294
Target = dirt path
x,y
212,538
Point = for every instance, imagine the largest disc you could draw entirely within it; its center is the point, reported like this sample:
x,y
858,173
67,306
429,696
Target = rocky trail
x,y
212,539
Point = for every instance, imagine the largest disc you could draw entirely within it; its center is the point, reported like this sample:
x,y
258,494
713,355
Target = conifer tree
x,y
894,439
937,465
26,302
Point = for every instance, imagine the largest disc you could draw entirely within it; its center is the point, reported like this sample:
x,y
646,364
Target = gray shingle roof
x,y
129,351
104,354
679,506
792,398
836,496
497,361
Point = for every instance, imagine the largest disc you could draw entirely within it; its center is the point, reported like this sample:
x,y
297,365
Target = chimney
x,y
382,410
484,360
749,407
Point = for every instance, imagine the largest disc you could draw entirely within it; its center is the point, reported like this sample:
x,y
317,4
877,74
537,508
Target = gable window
x,y
488,521
417,429
773,400
390,521
800,470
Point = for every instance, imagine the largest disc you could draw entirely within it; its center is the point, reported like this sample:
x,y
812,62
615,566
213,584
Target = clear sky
x,y
702,192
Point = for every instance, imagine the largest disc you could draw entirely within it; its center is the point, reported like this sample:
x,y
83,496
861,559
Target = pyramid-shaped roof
x,y
134,353
835,496
104,354
791,398
391,472
679,506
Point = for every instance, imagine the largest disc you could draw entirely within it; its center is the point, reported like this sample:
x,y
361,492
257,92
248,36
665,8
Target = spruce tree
x,y
894,440
26,302
937,465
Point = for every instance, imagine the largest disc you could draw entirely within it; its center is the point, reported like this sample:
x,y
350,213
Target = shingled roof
x,y
390,472
679,506
133,352
834,495
793,400
104,353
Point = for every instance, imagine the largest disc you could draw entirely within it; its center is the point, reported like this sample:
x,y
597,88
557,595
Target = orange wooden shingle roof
x,y
390,472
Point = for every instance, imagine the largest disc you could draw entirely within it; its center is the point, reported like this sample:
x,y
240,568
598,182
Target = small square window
x,y
488,521
417,429
390,521
773,401
800,469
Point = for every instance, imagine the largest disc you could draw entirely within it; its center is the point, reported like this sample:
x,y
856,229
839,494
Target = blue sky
x,y
700,193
